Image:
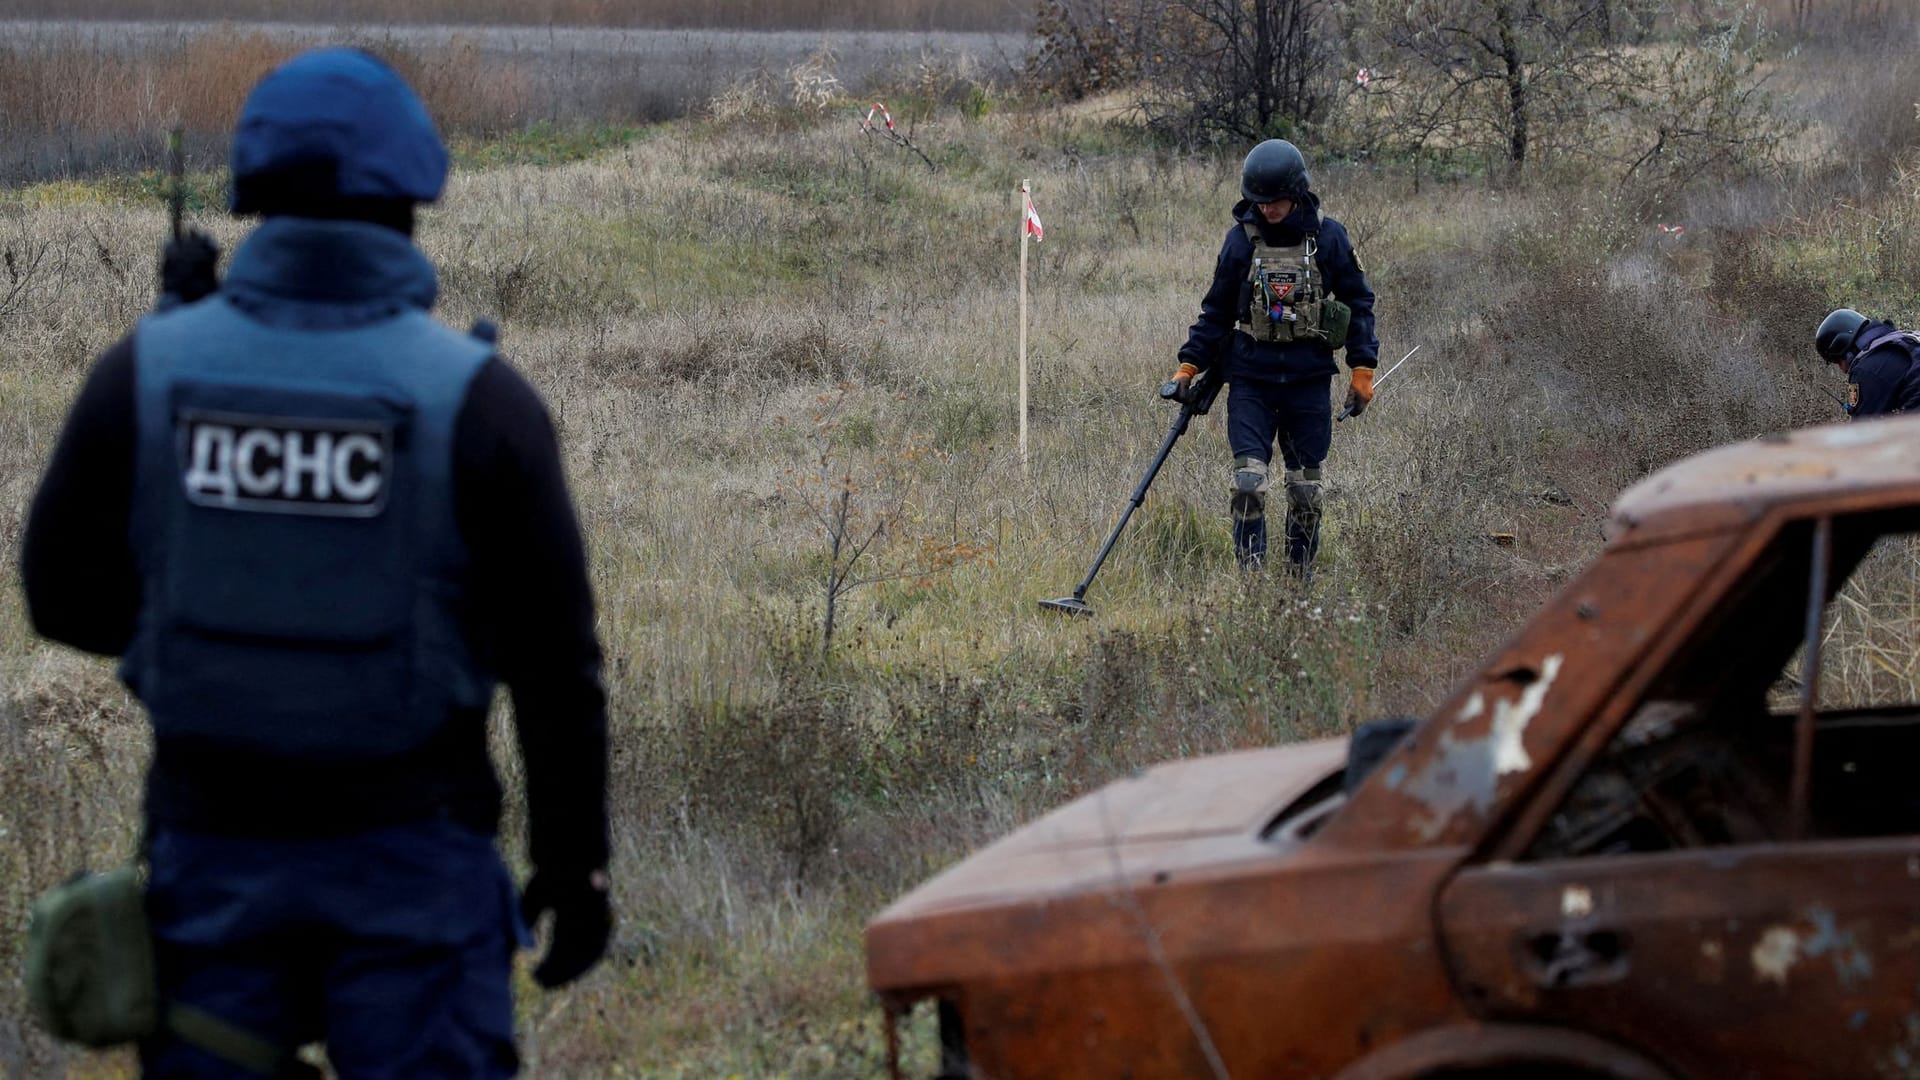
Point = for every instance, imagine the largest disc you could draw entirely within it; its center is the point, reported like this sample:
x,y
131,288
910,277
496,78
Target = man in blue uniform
x,y
1881,362
318,526
1288,290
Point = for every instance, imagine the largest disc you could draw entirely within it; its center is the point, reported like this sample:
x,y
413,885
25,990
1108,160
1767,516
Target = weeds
x,y
867,523
766,14
673,293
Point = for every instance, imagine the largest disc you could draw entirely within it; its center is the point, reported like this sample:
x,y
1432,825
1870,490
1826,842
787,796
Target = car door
x,y
1795,960
1731,885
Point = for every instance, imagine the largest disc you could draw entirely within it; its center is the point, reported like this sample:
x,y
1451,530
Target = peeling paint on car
x,y
1510,720
1475,705
1850,962
1464,772
1849,436
1904,1060
1775,954
1712,968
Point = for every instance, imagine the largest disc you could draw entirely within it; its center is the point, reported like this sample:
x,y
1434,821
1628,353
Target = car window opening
x,y
1792,715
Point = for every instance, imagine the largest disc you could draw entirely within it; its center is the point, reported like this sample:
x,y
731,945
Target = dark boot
x,y
1250,542
1303,520
1249,507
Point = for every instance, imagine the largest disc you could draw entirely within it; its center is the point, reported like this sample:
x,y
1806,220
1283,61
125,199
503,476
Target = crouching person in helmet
x,y
1880,360
1288,290
317,526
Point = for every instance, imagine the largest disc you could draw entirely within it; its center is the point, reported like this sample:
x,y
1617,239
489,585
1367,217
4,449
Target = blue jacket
x,y
1213,338
1885,372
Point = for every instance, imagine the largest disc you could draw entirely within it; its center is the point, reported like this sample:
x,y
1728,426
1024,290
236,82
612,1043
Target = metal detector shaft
x,y
1179,428
177,173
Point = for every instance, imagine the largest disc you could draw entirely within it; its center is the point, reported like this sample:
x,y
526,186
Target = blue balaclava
x,y
331,133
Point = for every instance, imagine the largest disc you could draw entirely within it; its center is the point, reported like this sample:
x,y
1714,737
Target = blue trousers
x,y
1298,417
394,947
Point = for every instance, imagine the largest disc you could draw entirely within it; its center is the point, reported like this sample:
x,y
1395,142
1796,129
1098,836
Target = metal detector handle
x,y
1179,428
1202,389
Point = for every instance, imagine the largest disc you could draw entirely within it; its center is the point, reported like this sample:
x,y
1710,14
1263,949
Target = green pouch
x,y
1335,317
89,970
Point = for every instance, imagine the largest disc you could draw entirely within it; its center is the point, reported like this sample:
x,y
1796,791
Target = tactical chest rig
x,y
1285,298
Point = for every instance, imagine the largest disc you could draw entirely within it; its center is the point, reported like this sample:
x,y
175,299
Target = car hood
x,y
1171,819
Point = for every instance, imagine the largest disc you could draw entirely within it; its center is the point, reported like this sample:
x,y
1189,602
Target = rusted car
x,y
1639,843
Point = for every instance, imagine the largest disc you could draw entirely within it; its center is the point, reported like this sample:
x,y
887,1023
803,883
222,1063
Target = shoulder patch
x,y
283,465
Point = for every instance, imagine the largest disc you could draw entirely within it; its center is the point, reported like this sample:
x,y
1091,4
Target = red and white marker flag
x,y
1033,226
881,108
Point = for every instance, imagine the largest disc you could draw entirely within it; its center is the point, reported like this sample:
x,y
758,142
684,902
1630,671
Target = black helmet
x,y
1837,331
1274,171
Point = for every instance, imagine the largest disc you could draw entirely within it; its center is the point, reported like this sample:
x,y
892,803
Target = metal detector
x,y
1195,399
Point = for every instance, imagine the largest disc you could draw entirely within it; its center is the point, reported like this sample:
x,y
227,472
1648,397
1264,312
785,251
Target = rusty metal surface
x,y
1734,484
1560,865
1765,961
1287,969
1154,822
1476,1045
1502,732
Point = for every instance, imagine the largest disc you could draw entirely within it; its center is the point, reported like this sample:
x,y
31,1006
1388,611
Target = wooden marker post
x,y
1029,226
1026,227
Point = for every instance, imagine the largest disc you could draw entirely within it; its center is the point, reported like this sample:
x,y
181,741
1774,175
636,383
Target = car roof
x,y
1871,461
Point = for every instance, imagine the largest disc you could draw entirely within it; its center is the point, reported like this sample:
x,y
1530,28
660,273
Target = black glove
x,y
582,922
187,267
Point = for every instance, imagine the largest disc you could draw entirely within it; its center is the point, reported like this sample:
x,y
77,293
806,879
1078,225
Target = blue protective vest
x,y
294,527
1884,377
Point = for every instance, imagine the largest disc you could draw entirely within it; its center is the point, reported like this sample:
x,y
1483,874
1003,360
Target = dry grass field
x,y
735,15
93,97
736,315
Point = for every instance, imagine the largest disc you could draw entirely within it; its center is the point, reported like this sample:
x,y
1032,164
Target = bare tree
x,y
1515,80
863,515
1093,46
1244,69
20,266
1480,74
1701,111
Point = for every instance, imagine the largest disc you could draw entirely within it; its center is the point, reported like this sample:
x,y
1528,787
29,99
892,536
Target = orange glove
x,y
1186,373
1360,390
